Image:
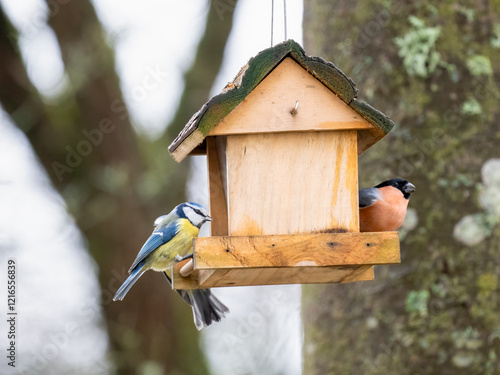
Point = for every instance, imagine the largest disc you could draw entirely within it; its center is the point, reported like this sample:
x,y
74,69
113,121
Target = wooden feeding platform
x,y
287,259
282,143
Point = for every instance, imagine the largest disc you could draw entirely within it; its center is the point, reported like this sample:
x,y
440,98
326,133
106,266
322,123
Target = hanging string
x,y
272,20
284,11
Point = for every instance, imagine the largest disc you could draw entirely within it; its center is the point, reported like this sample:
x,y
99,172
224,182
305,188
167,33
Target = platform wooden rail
x,y
286,259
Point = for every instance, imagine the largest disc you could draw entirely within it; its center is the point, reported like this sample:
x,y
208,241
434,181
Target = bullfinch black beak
x,y
409,188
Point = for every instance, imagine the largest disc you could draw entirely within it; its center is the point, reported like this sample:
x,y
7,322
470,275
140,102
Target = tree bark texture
x,y
433,67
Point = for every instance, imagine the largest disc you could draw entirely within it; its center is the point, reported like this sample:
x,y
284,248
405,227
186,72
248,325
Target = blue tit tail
x,y
207,308
134,276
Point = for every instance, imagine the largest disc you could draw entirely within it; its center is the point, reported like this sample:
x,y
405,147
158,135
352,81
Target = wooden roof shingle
x,y
212,112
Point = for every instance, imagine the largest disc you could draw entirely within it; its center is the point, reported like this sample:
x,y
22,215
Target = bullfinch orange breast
x,y
383,207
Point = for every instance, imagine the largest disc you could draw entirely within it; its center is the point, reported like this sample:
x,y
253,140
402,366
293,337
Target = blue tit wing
x,y
159,220
159,237
134,276
368,196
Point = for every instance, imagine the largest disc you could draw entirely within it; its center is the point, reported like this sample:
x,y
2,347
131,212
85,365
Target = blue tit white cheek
x,y
182,244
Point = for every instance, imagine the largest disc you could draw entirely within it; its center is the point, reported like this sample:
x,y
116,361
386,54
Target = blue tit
x,y
171,240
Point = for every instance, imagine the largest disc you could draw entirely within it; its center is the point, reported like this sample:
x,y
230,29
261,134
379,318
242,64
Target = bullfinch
x,y
383,207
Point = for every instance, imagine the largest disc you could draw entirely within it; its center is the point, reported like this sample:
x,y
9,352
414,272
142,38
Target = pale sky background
x,y
262,335
61,329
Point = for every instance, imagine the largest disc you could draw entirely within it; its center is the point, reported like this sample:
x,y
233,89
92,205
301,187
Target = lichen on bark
x,y
437,312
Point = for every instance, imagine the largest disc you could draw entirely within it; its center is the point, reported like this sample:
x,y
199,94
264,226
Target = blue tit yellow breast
x,y
181,244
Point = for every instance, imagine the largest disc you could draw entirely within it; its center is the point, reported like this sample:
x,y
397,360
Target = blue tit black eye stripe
x,y
198,212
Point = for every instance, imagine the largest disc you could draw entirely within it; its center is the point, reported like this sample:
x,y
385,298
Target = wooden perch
x,y
187,269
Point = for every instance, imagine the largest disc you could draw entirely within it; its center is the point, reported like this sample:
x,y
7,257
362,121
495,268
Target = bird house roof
x,y
212,113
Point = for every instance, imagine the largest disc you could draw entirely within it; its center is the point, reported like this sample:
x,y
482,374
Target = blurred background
x,y
93,92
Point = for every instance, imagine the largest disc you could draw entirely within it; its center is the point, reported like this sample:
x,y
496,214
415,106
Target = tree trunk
x,y
433,68
123,183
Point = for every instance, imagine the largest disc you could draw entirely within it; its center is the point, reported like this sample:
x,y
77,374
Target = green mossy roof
x,y
257,69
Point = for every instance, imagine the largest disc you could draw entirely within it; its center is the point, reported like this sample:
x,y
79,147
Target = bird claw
x,y
178,258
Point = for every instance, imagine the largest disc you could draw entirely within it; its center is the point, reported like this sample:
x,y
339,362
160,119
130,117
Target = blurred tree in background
x,y
434,68
113,180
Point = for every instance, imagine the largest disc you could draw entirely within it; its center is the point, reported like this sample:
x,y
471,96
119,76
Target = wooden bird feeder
x,y
282,144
